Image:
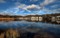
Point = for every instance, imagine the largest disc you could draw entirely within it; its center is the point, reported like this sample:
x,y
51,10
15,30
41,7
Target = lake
x,y
32,26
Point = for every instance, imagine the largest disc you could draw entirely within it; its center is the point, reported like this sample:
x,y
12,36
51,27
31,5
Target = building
x,y
54,18
58,19
6,18
36,18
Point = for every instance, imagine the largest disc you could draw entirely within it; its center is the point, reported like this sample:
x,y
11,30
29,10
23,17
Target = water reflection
x,y
33,27
27,24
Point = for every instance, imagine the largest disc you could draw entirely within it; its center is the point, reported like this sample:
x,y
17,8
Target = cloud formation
x,y
29,8
46,2
34,0
21,7
2,1
32,7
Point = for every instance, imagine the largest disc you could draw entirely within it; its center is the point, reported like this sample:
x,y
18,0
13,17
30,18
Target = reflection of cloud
x,y
2,1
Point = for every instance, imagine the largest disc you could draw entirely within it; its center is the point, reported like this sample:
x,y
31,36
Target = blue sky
x,y
27,7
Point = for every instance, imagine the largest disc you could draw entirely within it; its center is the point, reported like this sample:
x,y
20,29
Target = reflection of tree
x,y
11,34
43,35
5,35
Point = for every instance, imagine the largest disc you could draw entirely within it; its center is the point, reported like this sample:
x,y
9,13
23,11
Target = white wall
x,y
33,18
53,19
40,18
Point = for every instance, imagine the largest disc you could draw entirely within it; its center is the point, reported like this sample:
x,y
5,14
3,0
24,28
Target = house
x,y
6,18
58,19
40,18
36,18
55,18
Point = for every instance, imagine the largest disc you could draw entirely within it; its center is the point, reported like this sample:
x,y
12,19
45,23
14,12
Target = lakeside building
x,y
19,18
52,18
27,18
6,18
10,18
34,18
55,18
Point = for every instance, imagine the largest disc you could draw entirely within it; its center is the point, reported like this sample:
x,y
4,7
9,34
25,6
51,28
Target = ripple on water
x,y
14,24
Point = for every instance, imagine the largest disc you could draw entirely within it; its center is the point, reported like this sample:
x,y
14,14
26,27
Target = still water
x,y
25,25
16,24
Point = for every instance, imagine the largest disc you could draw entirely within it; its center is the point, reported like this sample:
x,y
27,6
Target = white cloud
x,y
56,10
46,2
23,6
10,11
32,7
53,6
2,1
33,0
